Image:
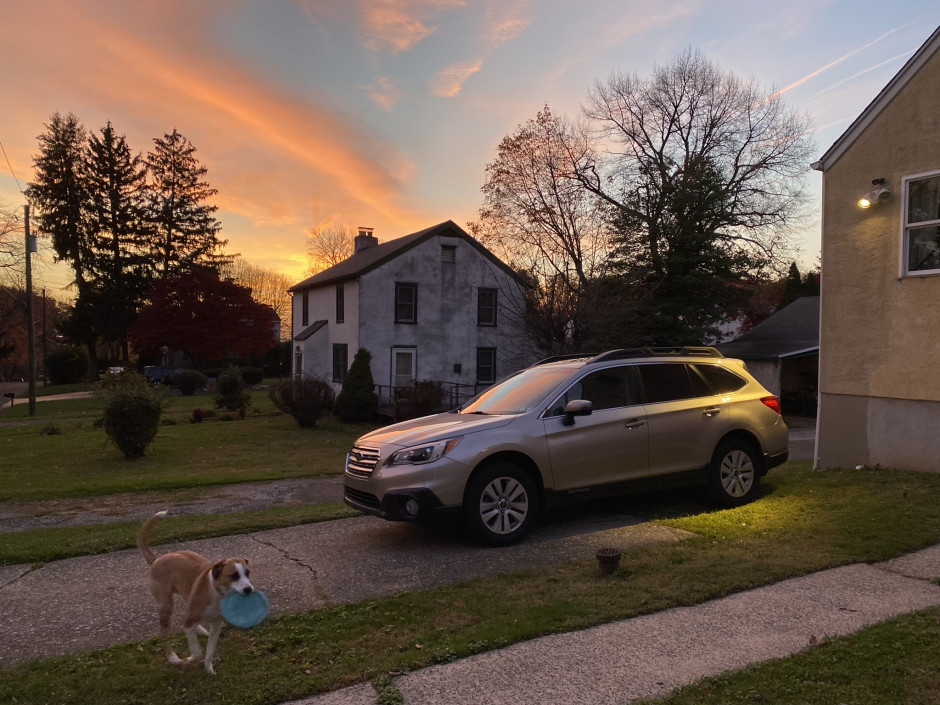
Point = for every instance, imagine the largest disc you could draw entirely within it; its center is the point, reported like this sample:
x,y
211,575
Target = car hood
x,y
433,428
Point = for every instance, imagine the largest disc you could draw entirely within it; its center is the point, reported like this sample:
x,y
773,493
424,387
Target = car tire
x,y
501,504
734,476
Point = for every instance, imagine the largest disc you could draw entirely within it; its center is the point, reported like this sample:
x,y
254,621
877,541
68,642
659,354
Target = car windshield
x,y
520,393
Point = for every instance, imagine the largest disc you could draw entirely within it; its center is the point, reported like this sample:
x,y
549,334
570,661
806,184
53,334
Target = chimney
x,y
364,240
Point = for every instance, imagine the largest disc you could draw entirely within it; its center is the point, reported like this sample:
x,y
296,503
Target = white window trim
x,y
903,272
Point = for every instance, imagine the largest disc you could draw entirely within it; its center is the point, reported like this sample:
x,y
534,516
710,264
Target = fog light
x,y
411,507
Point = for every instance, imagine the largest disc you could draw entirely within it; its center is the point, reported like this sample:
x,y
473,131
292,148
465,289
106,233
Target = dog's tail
x,y
143,538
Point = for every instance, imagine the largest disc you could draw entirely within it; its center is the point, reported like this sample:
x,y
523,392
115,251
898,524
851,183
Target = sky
x,y
384,113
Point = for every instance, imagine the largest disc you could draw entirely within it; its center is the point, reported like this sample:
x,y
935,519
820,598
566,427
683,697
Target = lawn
x,y
61,453
804,521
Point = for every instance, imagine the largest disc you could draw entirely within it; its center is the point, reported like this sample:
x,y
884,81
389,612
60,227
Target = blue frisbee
x,y
244,611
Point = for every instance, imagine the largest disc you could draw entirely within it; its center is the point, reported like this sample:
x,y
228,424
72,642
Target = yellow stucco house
x,y
879,367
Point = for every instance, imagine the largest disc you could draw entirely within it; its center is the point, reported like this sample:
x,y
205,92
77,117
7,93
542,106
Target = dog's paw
x,y
174,659
209,668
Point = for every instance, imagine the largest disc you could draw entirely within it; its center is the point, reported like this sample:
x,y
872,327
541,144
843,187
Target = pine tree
x,y
116,181
185,228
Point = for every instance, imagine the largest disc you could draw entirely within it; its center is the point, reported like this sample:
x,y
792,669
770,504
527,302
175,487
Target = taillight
x,y
773,403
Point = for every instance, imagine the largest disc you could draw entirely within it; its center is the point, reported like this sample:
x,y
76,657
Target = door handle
x,y
634,423
711,411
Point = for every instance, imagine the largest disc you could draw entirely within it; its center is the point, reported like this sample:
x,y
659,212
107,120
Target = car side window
x,y
609,388
667,382
721,380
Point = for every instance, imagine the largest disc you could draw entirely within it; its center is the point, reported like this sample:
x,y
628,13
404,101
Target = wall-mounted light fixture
x,y
876,195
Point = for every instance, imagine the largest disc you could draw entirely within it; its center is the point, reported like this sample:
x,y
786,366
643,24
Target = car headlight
x,y
417,455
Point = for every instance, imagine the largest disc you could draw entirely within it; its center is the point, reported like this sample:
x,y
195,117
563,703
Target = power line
x,y
12,173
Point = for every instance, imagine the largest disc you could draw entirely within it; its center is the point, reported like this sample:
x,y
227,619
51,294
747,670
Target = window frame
x,y
340,370
340,303
449,254
399,288
907,227
491,351
494,307
305,307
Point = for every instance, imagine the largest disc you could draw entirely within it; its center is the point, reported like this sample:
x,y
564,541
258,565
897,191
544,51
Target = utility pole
x,y
30,330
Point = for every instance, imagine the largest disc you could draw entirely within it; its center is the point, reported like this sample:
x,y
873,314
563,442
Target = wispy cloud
x,y
836,62
384,93
851,78
505,22
399,25
448,82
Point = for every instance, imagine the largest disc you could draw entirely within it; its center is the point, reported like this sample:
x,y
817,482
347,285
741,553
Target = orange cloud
x,y
400,24
506,23
384,93
448,82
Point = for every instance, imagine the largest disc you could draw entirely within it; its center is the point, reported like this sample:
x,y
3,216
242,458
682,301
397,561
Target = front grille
x,y
360,461
363,498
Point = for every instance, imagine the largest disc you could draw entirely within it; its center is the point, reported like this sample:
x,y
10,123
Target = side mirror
x,y
576,407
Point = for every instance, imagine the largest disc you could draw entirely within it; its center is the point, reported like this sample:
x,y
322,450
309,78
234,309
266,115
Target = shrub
x,y
66,365
357,400
198,416
232,394
131,413
304,399
422,398
188,381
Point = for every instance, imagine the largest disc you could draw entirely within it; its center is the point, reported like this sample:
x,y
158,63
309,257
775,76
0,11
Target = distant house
x,y
782,352
879,379
435,305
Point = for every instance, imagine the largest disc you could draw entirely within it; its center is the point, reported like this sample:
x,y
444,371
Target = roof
x,y
793,331
310,330
881,101
372,257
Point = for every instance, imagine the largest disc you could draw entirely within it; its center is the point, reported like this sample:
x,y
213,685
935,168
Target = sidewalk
x,y
650,656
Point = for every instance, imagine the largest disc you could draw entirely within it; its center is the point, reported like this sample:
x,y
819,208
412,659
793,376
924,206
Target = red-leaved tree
x,y
208,318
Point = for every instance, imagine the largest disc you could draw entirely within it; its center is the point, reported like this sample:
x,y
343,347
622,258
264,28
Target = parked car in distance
x,y
574,427
156,374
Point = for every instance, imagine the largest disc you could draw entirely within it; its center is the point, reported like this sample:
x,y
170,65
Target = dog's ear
x,y
244,562
217,570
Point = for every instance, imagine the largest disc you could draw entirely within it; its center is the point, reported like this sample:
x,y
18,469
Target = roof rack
x,y
680,351
560,358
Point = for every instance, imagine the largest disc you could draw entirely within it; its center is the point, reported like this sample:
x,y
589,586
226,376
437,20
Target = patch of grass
x,y
81,462
890,662
42,545
804,521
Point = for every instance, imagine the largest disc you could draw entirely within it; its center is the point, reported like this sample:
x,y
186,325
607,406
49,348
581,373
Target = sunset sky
x,y
384,113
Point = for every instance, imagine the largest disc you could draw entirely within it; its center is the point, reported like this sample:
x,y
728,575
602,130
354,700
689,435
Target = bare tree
x,y
267,286
11,239
538,216
328,245
692,121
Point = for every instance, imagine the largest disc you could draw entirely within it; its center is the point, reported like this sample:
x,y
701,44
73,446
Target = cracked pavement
x,y
92,602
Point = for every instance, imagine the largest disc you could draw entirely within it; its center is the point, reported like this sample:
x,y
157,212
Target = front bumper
x,y
396,505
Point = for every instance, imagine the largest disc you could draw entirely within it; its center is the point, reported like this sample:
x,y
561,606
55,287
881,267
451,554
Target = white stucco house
x,y
434,305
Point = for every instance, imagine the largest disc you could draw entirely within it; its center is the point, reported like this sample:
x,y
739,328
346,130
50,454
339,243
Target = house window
x,y
298,363
922,225
340,303
340,358
449,254
406,303
305,308
486,365
486,307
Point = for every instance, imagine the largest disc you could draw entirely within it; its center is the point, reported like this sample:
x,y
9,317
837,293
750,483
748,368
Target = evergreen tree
x,y
357,400
61,196
185,228
116,181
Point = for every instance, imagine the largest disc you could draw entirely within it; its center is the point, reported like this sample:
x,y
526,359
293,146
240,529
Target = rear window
x,y
721,380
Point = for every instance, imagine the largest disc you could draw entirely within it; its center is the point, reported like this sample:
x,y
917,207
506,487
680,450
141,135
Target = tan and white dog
x,y
201,583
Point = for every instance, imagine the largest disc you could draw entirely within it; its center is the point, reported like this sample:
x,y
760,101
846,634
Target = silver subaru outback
x,y
574,427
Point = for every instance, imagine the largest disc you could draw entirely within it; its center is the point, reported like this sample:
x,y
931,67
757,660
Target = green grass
x,y
894,662
805,521
80,461
41,545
